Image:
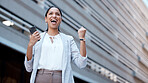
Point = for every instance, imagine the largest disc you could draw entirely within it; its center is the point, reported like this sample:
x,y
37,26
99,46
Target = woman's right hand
x,y
34,38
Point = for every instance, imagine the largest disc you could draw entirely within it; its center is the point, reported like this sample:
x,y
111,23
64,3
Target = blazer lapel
x,y
64,41
64,57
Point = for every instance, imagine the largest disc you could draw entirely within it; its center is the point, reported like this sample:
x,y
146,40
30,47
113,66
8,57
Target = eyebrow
x,y
55,12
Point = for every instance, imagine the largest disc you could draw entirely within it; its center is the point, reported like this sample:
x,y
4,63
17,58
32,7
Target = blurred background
x,y
116,39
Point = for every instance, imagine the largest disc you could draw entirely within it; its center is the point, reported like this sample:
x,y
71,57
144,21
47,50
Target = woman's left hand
x,y
81,33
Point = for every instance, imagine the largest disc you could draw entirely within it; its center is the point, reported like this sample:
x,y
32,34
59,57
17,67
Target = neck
x,y
53,32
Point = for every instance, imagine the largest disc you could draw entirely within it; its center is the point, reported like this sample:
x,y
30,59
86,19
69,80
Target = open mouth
x,y
53,21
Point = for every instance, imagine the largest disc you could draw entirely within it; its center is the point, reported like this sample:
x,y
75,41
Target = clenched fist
x,y
81,33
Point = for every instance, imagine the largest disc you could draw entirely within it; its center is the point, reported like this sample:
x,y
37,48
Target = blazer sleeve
x,y
29,64
79,60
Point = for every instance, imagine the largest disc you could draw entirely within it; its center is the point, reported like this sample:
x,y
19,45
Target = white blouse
x,y
51,53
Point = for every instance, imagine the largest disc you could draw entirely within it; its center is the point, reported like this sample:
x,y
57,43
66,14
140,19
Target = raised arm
x,y
81,33
79,57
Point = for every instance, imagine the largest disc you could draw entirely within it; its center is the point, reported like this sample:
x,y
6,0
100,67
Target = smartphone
x,y
32,29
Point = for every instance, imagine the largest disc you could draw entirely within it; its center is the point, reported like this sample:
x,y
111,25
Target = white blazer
x,y
70,53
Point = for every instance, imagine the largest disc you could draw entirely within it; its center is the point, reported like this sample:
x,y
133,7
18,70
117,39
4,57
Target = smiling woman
x,y
51,12
54,52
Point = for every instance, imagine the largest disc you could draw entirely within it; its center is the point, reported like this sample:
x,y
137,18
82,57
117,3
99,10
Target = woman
x,y
49,59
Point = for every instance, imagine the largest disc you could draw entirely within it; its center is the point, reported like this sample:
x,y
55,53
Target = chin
x,y
54,27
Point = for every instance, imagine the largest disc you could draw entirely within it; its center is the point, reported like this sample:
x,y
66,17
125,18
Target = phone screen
x,y
32,29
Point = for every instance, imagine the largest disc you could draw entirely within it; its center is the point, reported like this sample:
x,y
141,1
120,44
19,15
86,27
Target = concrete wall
x,y
116,31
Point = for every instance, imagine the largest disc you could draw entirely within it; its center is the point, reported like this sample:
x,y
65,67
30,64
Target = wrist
x,y
30,45
82,39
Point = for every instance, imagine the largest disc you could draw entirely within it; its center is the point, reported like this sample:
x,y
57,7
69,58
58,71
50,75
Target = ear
x,y
46,19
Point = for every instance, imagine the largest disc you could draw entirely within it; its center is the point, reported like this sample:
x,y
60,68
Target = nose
x,y
54,15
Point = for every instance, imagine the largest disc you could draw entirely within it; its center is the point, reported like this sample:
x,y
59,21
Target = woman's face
x,y
53,18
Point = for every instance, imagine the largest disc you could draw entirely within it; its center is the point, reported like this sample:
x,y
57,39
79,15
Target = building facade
x,y
116,38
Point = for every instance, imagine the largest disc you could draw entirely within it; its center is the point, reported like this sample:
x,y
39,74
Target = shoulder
x,y
42,34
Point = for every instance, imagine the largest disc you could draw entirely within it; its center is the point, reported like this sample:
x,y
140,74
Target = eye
x,y
50,13
58,14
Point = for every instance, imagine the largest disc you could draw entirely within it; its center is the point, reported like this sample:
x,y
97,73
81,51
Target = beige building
x,y
116,40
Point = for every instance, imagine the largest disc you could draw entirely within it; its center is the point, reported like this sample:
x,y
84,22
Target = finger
x,y
35,32
83,28
37,36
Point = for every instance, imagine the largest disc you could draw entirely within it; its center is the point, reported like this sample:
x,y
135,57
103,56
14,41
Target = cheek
x,y
48,17
60,20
